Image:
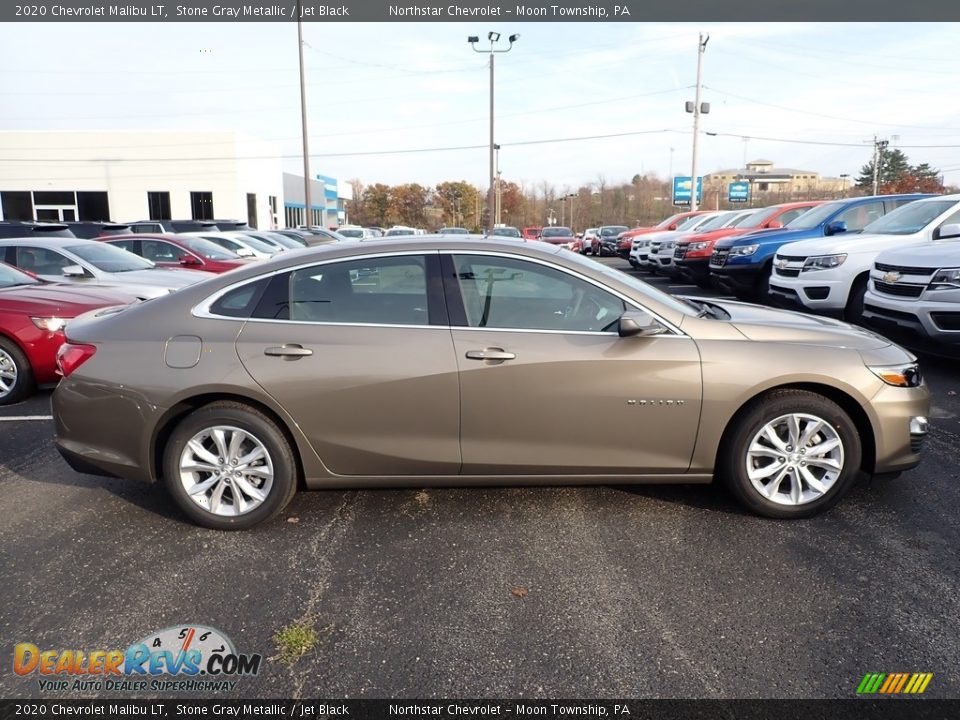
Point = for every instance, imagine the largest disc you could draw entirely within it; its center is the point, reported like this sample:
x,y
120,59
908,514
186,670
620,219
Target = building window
x,y
159,205
272,201
201,205
93,206
252,210
16,205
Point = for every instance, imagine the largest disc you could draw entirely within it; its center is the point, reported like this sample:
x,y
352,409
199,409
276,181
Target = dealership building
x,y
139,175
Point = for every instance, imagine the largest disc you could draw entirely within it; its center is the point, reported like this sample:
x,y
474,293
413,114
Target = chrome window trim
x,y
202,309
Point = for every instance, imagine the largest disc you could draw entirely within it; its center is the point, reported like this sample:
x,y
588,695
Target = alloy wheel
x,y
795,459
8,373
226,471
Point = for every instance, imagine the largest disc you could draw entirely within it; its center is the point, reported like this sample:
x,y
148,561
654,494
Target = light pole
x,y
563,209
697,108
308,220
494,38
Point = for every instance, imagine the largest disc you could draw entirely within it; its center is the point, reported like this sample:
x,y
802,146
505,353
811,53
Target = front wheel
x,y
229,467
793,454
853,312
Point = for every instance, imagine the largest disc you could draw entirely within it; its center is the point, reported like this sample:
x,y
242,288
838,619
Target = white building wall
x,y
128,164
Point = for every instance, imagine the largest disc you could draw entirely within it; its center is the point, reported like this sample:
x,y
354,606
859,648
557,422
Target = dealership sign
x,y
739,192
681,190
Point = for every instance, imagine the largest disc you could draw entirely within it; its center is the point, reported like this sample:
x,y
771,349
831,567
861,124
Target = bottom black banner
x,y
905,709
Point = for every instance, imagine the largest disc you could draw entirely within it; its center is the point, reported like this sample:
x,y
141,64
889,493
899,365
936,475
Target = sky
x,y
808,96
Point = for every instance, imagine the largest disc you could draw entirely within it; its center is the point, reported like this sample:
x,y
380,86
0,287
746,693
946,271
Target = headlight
x,y
50,324
744,250
946,279
703,245
907,375
824,262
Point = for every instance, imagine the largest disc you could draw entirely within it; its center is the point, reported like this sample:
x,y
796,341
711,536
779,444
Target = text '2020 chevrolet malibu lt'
x,y
468,361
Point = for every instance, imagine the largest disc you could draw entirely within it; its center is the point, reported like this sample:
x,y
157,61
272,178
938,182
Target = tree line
x,y
644,200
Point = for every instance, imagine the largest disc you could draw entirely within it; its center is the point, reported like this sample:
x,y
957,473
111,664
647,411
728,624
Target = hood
x,y
763,237
852,243
661,235
772,325
158,277
59,300
710,235
938,254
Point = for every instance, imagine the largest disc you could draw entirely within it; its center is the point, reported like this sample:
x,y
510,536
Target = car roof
x,y
57,242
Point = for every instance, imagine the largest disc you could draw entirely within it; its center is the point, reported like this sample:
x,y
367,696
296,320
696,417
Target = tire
x,y
788,499
278,465
853,312
16,381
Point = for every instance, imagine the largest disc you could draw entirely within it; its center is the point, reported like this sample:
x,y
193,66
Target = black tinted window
x,y
241,301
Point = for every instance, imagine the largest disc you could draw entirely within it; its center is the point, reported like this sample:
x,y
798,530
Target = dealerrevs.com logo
x,y
185,658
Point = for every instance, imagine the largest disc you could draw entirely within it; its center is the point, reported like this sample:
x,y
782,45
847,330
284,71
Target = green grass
x,y
295,640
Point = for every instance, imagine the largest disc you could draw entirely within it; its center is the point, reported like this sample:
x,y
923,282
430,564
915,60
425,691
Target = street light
x,y
563,209
494,38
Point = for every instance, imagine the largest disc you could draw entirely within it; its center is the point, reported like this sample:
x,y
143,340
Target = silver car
x,y
87,262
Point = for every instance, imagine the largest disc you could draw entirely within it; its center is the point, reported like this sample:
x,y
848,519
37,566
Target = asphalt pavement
x,y
538,592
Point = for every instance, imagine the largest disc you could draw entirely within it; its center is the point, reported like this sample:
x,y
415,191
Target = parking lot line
x,y
26,417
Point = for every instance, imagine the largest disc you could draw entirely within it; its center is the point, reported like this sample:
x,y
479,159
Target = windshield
x,y
690,222
506,232
815,216
11,277
758,218
910,218
207,249
665,225
556,232
256,244
109,258
397,232
718,222
453,231
351,232
613,230
281,239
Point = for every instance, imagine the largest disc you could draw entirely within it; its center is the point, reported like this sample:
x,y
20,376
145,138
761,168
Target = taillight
x,y
70,356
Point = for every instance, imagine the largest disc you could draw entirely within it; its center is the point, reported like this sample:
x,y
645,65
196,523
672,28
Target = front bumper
x,y
694,267
936,320
820,290
736,277
900,428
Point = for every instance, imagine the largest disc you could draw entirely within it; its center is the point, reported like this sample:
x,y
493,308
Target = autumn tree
x,y
897,175
458,201
375,205
408,204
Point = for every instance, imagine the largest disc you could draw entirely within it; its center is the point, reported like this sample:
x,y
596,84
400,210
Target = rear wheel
x,y
229,466
793,454
16,375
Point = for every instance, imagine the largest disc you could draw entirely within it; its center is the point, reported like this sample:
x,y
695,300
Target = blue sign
x,y
739,192
681,190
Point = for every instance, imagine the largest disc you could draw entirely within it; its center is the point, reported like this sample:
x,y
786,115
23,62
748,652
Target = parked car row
x,y
877,260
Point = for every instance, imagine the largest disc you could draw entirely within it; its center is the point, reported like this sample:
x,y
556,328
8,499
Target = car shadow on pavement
x,y
712,496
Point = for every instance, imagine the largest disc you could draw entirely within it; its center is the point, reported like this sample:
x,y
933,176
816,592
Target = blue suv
x,y
742,264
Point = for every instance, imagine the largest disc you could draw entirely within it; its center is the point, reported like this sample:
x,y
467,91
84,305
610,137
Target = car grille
x,y
898,289
883,267
946,320
916,443
680,253
892,315
787,272
792,258
719,257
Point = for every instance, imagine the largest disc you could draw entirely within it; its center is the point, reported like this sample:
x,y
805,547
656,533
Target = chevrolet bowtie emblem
x,y
891,277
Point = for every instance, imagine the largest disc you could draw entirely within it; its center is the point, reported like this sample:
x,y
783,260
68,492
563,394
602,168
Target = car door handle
x,y
291,351
490,354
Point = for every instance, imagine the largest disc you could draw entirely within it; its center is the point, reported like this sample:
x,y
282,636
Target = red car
x,y
557,236
671,223
530,233
692,254
178,251
32,317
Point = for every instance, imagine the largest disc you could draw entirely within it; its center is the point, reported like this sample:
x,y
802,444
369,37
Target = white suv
x,y
830,274
918,289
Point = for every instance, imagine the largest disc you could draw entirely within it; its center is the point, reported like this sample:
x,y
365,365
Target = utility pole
x,y
308,207
879,146
697,110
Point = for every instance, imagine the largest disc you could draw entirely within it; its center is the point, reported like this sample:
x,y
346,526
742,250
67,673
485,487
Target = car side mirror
x,y
636,323
774,225
74,271
244,252
189,260
837,226
951,230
